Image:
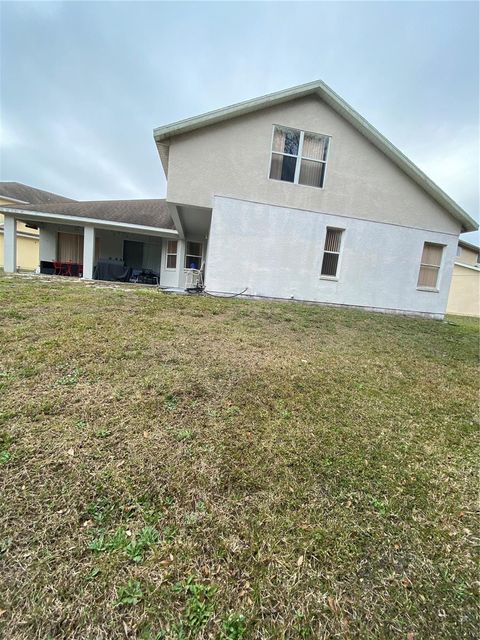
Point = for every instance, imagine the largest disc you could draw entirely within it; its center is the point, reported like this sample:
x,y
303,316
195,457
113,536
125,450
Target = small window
x,y
331,252
299,157
193,258
430,265
171,254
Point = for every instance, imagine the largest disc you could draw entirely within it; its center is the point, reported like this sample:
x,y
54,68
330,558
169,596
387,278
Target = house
x,y
12,194
292,195
464,296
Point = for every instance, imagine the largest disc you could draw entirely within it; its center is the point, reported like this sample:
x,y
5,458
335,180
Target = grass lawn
x,y
180,467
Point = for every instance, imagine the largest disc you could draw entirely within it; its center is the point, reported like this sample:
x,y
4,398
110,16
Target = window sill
x,y
297,184
331,278
430,289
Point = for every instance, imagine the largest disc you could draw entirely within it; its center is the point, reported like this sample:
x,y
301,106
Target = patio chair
x,y
68,268
58,268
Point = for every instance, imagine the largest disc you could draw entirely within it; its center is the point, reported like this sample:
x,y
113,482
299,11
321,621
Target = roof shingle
x,y
25,193
150,213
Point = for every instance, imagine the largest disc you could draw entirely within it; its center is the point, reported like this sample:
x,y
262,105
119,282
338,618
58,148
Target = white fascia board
x,y
469,245
21,234
13,200
92,222
468,266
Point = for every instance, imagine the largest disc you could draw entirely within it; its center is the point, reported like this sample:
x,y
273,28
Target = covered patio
x,y
126,241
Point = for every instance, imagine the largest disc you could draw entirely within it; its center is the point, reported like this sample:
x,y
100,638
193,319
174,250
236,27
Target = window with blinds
x,y
299,156
430,265
331,252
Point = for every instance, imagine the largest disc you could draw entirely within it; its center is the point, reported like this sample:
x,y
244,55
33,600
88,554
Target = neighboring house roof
x,y
149,213
29,195
319,88
468,245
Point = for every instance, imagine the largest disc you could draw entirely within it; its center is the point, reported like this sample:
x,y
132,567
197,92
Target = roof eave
x,y
163,152
240,108
96,222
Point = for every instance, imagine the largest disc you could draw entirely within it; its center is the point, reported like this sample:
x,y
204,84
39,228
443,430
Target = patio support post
x,y
181,263
10,244
88,251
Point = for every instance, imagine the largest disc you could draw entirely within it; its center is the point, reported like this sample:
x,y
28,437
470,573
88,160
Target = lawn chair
x,y
194,279
58,268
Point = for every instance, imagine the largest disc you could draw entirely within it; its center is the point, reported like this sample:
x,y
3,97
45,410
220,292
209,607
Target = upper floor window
x,y
430,265
299,156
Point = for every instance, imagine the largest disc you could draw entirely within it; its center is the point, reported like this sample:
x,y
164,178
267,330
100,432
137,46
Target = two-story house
x,y
293,196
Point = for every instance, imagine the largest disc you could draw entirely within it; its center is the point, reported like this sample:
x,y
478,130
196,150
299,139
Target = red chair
x,y
68,268
57,265
80,270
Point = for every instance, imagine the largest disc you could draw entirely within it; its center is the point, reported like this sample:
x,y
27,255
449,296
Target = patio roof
x,y
142,215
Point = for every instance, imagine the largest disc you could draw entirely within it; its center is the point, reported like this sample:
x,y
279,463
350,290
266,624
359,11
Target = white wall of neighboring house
x,y
277,252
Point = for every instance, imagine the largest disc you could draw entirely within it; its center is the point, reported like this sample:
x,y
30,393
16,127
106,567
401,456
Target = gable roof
x,y
163,134
26,194
148,213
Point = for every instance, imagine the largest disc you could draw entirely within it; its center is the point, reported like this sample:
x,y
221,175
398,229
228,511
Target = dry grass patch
x,y
177,467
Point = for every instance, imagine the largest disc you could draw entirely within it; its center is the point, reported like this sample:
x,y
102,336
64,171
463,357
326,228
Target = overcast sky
x,y
83,84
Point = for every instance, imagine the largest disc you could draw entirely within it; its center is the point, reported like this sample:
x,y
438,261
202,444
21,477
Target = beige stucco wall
x,y
464,296
233,159
468,256
27,253
27,248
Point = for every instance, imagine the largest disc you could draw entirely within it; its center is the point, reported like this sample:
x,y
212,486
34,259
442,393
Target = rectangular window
x,y
193,257
430,265
331,252
172,254
299,156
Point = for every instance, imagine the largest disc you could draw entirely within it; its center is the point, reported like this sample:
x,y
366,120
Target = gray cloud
x,y
82,85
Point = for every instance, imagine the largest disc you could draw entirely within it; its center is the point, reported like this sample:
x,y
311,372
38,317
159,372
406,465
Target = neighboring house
x,y
15,193
292,195
464,296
